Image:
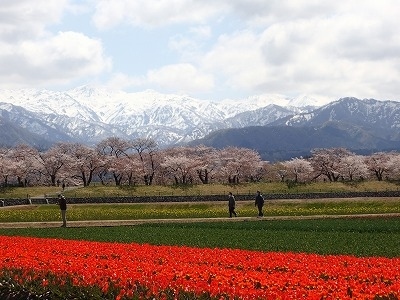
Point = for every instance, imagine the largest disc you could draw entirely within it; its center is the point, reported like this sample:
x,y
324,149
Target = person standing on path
x,y
62,202
231,205
259,203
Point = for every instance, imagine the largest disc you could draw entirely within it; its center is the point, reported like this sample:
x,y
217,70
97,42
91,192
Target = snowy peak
x,y
307,101
88,114
370,113
47,102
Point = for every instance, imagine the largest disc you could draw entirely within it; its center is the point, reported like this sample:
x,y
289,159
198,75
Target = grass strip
x,y
355,236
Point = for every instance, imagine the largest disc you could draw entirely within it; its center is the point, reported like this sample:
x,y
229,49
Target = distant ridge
x,y
363,126
271,124
89,114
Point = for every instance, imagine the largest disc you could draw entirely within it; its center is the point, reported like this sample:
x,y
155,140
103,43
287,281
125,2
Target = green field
x,y
373,236
357,236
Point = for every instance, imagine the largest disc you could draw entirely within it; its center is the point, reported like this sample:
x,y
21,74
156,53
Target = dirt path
x,y
109,223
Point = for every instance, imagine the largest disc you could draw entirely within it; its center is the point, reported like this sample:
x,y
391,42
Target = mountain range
x,y
278,127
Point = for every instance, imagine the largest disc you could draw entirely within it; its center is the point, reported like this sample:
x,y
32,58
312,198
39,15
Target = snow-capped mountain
x,y
367,113
362,126
89,114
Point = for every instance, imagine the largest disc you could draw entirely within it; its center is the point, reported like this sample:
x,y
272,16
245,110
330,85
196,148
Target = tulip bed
x,y
67,269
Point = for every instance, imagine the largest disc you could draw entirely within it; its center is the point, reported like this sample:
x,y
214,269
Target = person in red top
x,y
62,202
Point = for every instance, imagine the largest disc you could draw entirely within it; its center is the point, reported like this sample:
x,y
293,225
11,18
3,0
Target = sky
x,y
207,49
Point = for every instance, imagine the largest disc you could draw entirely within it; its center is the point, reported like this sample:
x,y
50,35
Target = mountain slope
x,y
88,115
379,117
284,142
12,135
359,125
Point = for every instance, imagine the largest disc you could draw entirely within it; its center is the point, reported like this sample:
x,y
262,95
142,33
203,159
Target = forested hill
x,y
277,143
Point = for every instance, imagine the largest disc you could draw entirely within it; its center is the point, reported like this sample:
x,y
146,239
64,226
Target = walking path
x,y
109,223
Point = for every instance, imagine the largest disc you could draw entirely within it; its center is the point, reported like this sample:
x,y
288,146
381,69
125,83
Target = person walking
x,y
259,203
62,202
231,205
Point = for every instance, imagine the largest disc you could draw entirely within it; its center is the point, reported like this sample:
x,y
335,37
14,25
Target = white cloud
x,y
238,58
183,45
183,78
30,55
23,19
58,59
189,46
291,47
178,78
120,81
201,31
66,54
337,50
154,13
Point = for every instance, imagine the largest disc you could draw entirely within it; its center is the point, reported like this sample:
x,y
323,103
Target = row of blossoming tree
x,y
141,161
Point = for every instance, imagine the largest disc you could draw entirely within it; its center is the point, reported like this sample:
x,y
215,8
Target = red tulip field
x,y
142,271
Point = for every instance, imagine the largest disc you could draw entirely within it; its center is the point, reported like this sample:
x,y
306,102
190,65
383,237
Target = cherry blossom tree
x,y
380,164
102,173
327,162
130,166
5,165
148,158
22,163
353,167
210,161
239,163
51,162
280,171
140,161
260,171
299,169
115,151
180,164
83,162
394,165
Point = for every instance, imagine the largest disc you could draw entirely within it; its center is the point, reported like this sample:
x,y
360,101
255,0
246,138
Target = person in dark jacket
x,y
231,205
259,203
62,202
